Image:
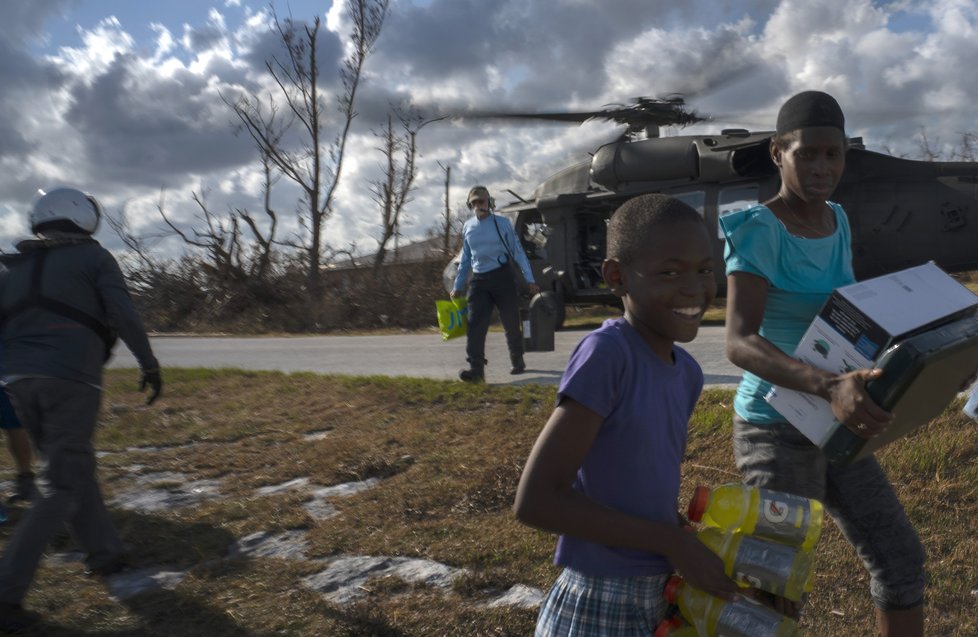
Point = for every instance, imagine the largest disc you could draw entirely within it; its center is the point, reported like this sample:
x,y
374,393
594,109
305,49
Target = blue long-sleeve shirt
x,y
482,250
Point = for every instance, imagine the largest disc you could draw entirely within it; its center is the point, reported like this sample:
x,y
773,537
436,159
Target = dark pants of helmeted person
x,y
494,288
60,416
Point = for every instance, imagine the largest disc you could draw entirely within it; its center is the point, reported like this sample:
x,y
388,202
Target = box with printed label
x,y
858,323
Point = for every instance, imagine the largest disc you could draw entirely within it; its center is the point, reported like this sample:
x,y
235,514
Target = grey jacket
x,y
82,274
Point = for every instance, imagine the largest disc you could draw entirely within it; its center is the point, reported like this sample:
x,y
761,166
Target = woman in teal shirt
x,y
783,259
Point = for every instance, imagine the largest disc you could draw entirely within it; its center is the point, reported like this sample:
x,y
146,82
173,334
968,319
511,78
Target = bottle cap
x,y
671,590
668,626
697,506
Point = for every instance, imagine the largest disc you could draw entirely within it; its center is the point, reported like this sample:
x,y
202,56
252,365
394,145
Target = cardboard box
x,y
858,323
921,376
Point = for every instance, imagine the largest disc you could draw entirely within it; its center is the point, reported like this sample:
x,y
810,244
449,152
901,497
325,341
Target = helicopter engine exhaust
x,y
661,159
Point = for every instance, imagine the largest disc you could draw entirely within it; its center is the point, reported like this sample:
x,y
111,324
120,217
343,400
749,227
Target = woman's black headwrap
x,y
810,108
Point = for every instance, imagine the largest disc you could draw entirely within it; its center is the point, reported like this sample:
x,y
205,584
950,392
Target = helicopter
x,y
902,212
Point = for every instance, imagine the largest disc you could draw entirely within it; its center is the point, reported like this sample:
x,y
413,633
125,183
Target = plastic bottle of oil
x,y
713,616
763,513
770,566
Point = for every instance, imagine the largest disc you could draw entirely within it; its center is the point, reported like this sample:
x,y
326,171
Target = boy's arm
x,y
546,499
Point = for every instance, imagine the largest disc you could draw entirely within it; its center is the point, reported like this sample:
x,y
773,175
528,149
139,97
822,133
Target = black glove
x,y
154,379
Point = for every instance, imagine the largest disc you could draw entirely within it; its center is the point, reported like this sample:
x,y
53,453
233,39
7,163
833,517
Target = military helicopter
x,y
902,212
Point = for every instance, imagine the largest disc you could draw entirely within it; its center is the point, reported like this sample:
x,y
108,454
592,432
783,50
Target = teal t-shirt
x,y
801,273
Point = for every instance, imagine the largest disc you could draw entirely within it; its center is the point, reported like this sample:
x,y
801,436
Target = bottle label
x,y
764,565
747,618
783,517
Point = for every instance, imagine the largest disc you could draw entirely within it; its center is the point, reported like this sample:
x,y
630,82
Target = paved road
x,y
418,355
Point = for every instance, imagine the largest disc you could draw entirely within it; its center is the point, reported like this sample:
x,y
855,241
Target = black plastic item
x,y
539,323
921,376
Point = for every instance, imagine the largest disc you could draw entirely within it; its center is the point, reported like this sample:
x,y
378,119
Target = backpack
x,y
36,299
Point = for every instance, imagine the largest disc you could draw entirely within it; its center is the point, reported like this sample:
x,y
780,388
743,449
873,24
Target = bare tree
x,y
968,148
139,246
264,239
393,191
314,165
926,149
218,235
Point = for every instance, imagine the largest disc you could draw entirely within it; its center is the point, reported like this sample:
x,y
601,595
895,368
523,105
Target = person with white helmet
x,y
63,300
489,247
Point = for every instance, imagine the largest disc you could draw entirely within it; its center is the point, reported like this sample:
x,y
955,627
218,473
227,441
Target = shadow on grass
x,y
153,541
359,621
163,614
160,539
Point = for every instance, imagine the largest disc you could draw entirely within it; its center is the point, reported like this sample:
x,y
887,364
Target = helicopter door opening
x,y
592,230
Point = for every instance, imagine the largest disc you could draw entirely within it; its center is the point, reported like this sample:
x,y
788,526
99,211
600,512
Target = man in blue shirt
x,y
489,245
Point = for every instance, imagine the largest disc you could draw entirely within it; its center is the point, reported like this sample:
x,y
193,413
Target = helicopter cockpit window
x,y
733,199
537,233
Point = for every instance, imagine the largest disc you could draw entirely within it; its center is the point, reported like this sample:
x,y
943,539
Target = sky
x,y
123,99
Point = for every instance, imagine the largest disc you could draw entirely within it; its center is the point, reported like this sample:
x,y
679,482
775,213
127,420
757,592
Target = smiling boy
x,y
605,471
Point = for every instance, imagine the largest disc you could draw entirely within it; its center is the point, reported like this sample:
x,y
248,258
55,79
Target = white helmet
x,y
66,204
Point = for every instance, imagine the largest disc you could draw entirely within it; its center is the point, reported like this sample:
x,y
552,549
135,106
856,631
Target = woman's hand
x,y
853,407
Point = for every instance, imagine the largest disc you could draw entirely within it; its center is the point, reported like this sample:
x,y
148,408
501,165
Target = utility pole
x,y
446,235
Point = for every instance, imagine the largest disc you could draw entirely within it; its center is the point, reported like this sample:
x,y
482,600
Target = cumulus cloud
x,y
24,22
132,116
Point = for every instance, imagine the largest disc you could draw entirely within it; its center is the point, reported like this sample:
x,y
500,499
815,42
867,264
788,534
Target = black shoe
x,y
473,375
13,618
518,365
24,490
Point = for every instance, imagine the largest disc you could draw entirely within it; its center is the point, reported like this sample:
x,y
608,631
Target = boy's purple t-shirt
x,y
633,464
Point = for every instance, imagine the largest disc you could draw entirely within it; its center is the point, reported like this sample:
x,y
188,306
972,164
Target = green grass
x,y
449,456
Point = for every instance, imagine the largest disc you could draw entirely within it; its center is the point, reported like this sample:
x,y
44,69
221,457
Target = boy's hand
x,y
701,567
154,379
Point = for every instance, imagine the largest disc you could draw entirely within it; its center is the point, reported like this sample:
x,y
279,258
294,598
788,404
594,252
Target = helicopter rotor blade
x,y
639,114
577,117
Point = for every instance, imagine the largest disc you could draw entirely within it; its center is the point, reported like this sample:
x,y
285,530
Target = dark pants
x,y
495,288
60,416
859,498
